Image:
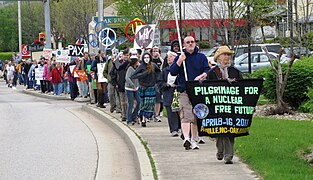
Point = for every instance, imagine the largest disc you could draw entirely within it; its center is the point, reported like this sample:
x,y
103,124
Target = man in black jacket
x,y
101,86
118,74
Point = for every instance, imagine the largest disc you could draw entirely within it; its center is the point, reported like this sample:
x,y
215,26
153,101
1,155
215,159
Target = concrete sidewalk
x,y
171,159
174,162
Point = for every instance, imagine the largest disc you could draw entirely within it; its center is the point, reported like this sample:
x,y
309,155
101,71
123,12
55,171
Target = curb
x,y
36,93
133,142
48,96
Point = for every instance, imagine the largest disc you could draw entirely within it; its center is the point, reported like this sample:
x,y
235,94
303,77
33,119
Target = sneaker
x,y
201,140
157,119
174,133
219,156
182,136
148,119
194,144
143,123
187,144
228,160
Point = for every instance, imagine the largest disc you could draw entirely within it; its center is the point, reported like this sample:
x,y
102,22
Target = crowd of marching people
x,y
138,83
133,84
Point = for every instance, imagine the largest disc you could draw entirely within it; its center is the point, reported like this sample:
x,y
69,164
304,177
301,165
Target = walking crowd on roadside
x,y
138,83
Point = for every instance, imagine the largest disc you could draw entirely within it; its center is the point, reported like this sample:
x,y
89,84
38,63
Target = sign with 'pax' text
x,y
76,50
223,109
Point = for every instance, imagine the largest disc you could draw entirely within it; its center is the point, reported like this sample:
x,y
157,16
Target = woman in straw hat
x,y
224,70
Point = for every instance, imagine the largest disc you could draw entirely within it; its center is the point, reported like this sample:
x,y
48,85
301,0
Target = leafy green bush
x,y
300,78
308,105
204,44
5,56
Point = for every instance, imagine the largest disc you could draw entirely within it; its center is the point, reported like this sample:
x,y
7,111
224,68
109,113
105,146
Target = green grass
x,y
152,163
273,148
262,100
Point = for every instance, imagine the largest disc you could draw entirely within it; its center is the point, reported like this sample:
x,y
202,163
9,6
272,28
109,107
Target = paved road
x,y
55,139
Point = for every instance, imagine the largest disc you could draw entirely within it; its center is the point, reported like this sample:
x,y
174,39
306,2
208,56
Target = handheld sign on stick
x,y
179,39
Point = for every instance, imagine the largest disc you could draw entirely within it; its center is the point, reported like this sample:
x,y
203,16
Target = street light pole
x,y
47,24
19,27
100,19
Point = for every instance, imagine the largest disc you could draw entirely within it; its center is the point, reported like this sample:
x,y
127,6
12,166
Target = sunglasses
x,y
190,42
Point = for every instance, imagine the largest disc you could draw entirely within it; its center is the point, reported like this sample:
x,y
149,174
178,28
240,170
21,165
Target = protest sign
x,y
76,50
39,73
80,74
144,36
224,109
100,67
62,56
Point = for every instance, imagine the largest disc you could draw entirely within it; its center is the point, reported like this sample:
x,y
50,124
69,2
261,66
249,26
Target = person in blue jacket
x,y
197,67
168,86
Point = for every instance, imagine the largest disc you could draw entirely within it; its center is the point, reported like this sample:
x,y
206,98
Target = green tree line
x,y
69,20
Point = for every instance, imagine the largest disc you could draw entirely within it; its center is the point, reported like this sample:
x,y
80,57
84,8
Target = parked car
x,y
271,47
210,54
258,60
298,52
242,49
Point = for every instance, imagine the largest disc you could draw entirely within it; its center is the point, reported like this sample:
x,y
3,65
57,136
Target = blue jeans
x,y
20,78
57,88
66,88
131,95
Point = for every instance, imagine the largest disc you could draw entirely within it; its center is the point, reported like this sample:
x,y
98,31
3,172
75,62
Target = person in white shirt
x,y
10,73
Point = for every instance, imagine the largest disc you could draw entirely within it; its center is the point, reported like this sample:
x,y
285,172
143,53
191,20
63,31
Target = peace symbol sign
x,y
132,23
93,40
104,37
99,26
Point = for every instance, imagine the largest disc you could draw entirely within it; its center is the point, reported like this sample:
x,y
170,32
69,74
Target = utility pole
x,y
47,24
290,18
211,29
249,37
100,19
19,27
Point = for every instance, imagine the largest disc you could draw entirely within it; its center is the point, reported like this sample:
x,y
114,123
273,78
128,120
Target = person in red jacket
x,y
57,79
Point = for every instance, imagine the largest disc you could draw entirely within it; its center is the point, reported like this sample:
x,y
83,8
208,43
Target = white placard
x,y
100,68
62,56
156,40
171,79
39,73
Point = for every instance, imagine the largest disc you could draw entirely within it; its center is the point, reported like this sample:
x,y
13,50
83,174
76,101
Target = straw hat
x,y
222,50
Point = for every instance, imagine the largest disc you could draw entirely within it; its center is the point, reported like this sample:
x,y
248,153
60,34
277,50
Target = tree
x,y
70,19
8,24
149,11
281,82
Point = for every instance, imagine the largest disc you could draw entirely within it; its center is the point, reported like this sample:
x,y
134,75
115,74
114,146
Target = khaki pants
x,y
186,113
123,101
101,88
91,93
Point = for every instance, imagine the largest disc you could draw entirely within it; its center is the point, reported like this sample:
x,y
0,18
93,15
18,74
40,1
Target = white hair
x,y
172,53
